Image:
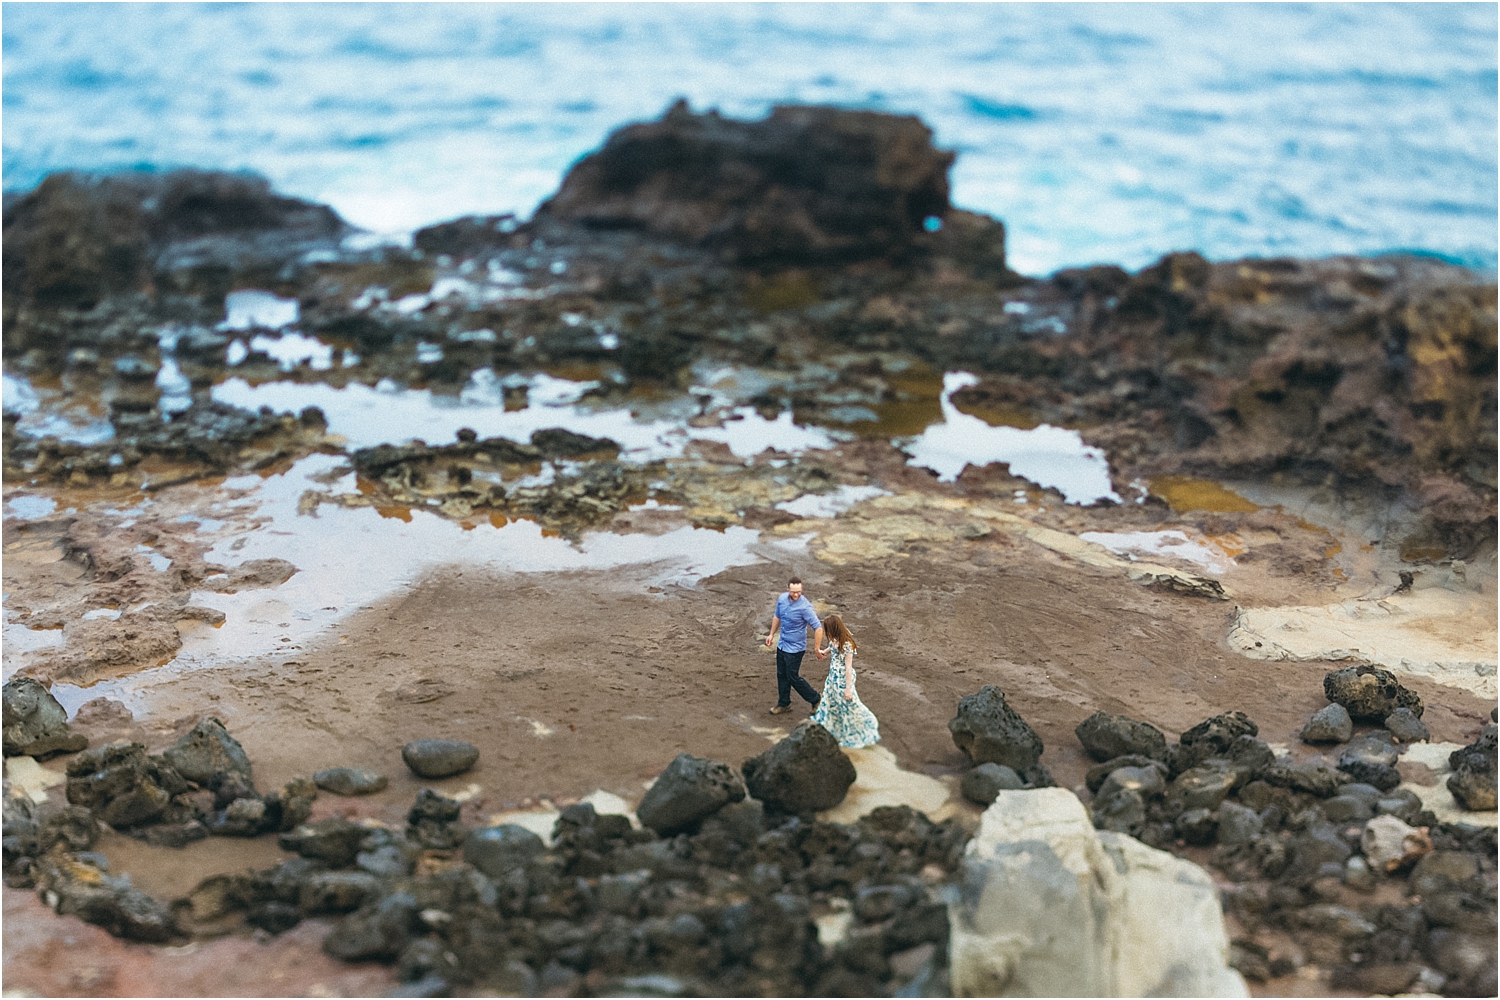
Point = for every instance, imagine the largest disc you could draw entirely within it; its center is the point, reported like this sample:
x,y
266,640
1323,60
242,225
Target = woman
x,y
839,710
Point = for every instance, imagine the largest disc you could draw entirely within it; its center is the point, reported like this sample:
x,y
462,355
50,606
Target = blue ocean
x,y
1099,133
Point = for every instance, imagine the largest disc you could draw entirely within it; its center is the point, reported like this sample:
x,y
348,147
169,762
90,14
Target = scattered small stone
x,y
1404,725
350,781
1237,824
1095,775
1329,725
689,791
806,772
206,751
439,758
1369,693
984,782
36,725
1371,761
1210,738
1389,845
335,841
499,850
1106,737
990,731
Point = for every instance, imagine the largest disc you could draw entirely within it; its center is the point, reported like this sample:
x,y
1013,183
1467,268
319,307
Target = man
x,y
791,620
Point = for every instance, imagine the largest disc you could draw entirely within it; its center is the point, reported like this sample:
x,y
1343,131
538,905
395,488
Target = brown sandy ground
x,y
569,682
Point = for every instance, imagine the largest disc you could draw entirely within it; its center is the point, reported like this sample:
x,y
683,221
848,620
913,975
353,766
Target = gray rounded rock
x,y
1106,737
806,772
1238,824
986,781
990,731
206,751
690,790
1404,725
499,850
350,781
1331,724
439,758
35,723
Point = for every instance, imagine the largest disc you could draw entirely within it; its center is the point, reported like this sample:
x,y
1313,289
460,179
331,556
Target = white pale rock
x,y
1389,844
1052,907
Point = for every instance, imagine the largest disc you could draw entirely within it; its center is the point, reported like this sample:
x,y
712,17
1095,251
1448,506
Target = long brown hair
x,y
838,632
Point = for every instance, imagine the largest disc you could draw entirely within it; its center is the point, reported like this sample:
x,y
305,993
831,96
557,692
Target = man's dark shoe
x,y
779,709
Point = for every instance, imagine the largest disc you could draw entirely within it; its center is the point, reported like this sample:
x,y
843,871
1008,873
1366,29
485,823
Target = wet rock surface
x,y
35,724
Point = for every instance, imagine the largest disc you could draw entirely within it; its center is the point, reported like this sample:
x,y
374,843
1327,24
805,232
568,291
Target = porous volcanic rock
x,y
439,758
1107,736
1330,724
687,792
1473,780
35,724
804,185
1370,693
1210,738
1372,761
990,731
804,773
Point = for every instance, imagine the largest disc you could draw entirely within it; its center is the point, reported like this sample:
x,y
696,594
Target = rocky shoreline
x,y
805,274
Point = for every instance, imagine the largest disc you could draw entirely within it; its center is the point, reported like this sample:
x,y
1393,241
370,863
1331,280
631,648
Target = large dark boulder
x,y
804,185
206,751
1369,693
35,724
804,773
989,731
690,790
1473,780
78,238
1106,737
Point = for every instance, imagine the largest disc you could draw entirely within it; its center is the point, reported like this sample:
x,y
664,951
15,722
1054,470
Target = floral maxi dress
x,y
850,722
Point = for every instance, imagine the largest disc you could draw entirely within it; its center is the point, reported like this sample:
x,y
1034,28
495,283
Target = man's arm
x,y
818,649
775,627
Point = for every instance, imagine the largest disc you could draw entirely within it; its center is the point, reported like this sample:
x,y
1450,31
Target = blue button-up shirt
x,y
796,618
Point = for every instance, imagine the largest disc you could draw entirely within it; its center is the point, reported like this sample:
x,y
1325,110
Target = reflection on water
x,y
1184,493
367,416
48,413
250,309
1048,456
1156,544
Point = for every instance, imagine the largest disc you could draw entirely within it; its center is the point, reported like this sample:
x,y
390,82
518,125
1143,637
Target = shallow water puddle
x,y
351,557
367,416
1184,493
1048,456
1171,543
45,412
541,821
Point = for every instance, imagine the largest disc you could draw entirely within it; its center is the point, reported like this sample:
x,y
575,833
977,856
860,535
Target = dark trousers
x,y
788,676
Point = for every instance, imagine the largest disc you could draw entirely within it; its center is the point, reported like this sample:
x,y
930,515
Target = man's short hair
x,y
795,579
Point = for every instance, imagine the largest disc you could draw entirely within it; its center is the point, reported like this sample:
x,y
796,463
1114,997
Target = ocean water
x,y
1099,133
